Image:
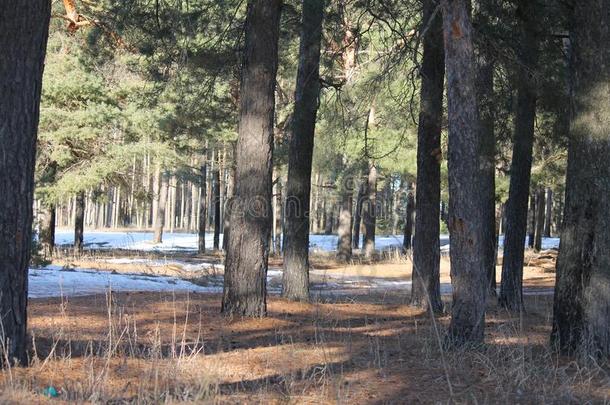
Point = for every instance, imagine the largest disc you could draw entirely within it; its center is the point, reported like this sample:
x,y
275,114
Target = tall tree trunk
x,y
369,215
521,165
468,273
548,216
160,221
295,280
581,311
486,100
216,192
23,44
228,204
426,245
245,288
344,231
279,218
79,222
202,207
540,199
410,210
358,215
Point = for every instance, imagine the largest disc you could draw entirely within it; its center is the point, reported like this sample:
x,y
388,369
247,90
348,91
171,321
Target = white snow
x,y
53,281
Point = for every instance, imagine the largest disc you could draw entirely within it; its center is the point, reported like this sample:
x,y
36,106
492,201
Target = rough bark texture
x,y
295,281
369,213
216,199
408,229
344,242
245,289
540,200
162,203
468,273
23,37
486,100
79,222
426,244
358,216
203,195
581,319
521,165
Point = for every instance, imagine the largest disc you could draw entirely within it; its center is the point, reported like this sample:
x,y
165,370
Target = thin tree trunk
x,y
426,244
216,199
160,221
409,213
344,241
358,215
548,216
79,222
520,171
295,282
531,221
369,216
540,199
23,43
202,208
279,218
47,229
245,289
581,310
466,220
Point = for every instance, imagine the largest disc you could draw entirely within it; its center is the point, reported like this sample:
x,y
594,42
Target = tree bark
x,y
581,311
486,100
358,216
79,222
295,282
409,213
216,199
426,244
160,221
521,165
23,44
203,194
47,229
531,221
540,199
548,216
245,288
369,213
466,219
344,242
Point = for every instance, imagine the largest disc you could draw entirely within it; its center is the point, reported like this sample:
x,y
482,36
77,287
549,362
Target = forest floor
x,y
357,342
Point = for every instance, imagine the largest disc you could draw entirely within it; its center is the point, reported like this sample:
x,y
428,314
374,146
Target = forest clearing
x,y
305,201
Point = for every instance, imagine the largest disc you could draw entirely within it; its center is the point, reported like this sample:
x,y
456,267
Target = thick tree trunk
x,y
520,171
581,318
216,199
203,171
79,222
426,244
358,216
23,43
160,221
540,199
466,203
409,213
369,213
488,162
344,242
548,216
295,280
245,288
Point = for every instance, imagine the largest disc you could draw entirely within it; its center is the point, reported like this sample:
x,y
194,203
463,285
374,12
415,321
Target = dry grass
x,y
150,348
